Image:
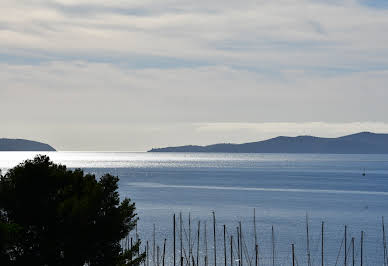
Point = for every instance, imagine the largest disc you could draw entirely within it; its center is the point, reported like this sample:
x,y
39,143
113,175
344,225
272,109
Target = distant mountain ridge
x,y
23,145
359,143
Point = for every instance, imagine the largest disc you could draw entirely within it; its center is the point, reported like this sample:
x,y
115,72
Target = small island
x,y
23,145
360,143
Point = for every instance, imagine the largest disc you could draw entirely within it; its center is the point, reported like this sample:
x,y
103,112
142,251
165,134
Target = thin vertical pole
x,y
322,244
225,244
174,247
254,228
254,225
384,242
164,251
189,239
345,259
231,250
147,254
238,246
180,237
353,251
198,235
145,251
214,238
293,255
157,255
308,241
362,247
153,245
257,255
273,248
241,245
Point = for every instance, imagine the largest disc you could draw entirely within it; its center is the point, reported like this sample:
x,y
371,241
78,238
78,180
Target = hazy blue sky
x,y
131,75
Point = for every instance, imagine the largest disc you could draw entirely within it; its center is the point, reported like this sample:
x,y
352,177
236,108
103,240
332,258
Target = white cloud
x,y
276,33
69,69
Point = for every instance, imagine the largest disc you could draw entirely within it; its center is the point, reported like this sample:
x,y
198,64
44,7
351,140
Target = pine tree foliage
x,y
50,215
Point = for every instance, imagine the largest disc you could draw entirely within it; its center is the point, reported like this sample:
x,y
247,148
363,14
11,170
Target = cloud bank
x,y
131,75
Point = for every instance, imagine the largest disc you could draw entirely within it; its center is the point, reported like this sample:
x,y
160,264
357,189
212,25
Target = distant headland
x,y
360,143
23,145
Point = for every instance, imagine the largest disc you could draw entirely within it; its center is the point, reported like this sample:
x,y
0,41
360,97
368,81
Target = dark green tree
x,y
50,215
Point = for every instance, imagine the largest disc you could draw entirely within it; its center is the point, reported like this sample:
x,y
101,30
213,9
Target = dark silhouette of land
x,y
23,145
360,143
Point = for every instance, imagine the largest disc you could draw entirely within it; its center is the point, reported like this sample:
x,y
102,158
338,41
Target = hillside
x,y
23,145
360,143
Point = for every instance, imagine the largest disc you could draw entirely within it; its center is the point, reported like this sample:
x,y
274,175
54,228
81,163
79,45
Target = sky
x,y
132,75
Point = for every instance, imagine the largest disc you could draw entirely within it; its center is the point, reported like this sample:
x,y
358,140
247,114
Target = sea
x,y
279,196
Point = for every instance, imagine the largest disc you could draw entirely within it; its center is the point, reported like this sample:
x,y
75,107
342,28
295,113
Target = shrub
x,y
50,215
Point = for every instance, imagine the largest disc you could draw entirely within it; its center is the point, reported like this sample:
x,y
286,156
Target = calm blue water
x,y
282,188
